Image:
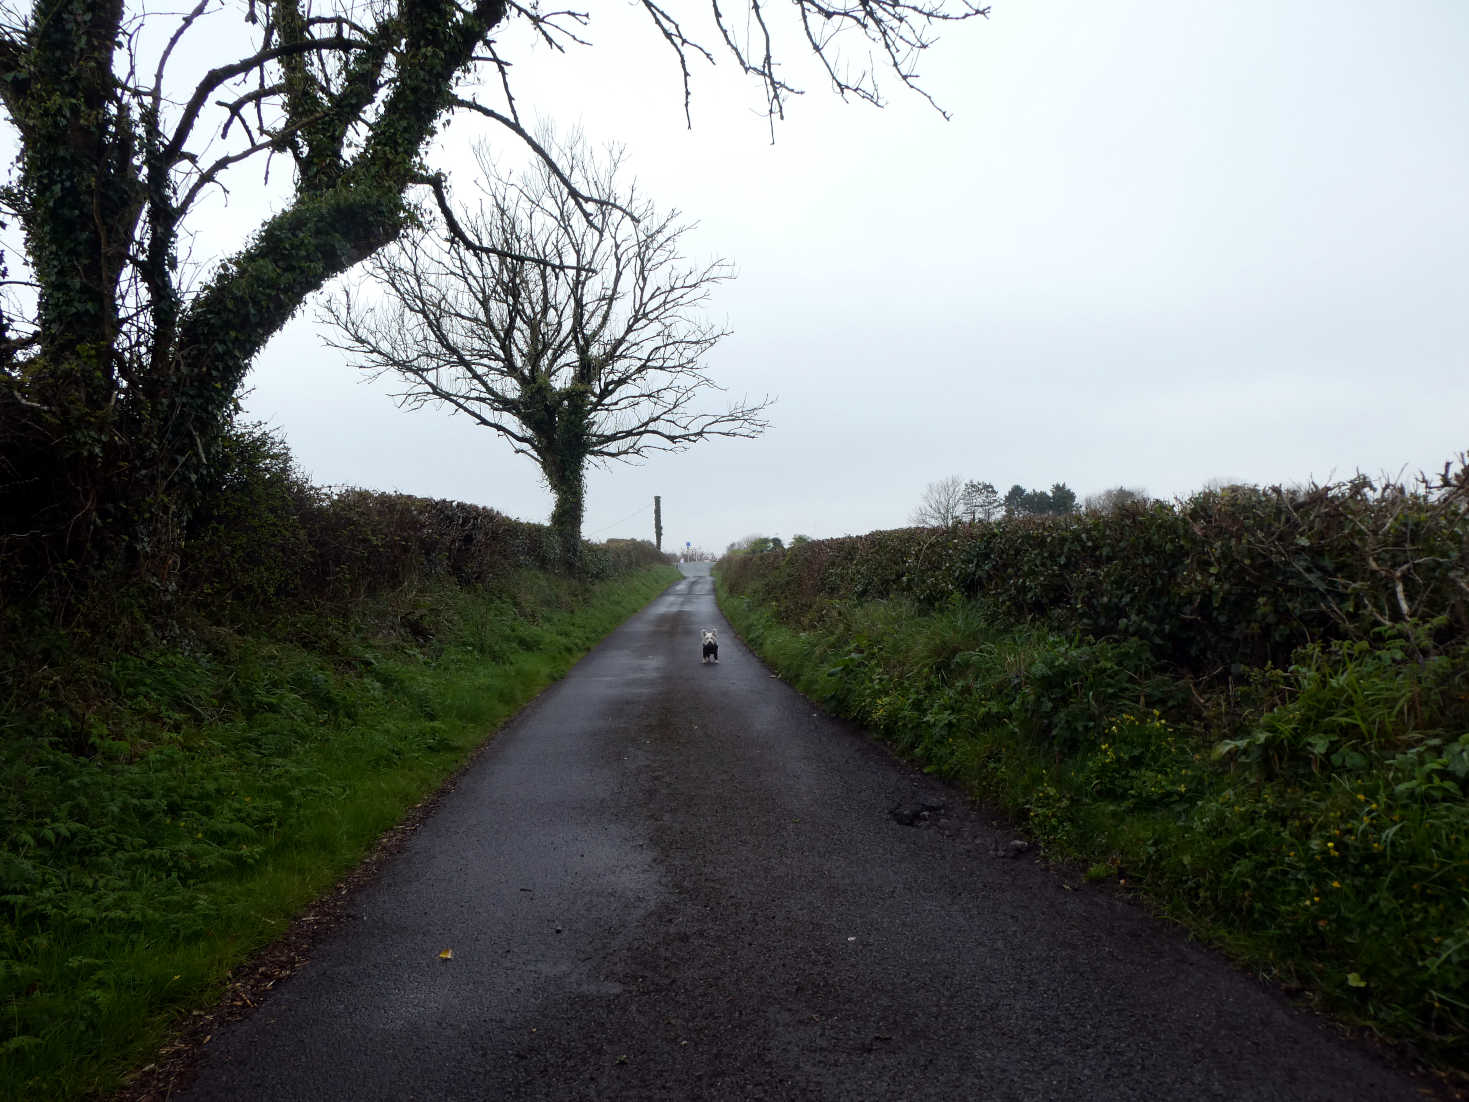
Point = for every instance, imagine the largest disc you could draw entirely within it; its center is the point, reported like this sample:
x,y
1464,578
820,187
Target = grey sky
x,y
1158,243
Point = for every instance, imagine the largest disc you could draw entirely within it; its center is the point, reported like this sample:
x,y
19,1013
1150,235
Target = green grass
x,y
229,782
1312,821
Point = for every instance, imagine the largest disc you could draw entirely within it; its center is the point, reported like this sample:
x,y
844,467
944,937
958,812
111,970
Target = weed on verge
x,y
1312,821
229,782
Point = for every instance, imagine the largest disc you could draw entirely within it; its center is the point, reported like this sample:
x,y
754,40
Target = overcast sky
x,y
1157,244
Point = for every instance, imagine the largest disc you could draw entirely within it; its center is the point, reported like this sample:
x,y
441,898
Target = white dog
x,y
711,645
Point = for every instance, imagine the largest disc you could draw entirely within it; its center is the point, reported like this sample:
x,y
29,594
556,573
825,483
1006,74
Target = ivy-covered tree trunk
x,y
342,214
568,486
74,172
565,448
108,426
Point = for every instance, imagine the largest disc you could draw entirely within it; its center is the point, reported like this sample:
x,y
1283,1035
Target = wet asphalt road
x,y
667,880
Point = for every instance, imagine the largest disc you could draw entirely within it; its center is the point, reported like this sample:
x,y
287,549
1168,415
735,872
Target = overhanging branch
x,y
435,183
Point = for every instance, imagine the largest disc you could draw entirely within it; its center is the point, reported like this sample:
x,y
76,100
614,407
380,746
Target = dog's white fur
x,y
711,645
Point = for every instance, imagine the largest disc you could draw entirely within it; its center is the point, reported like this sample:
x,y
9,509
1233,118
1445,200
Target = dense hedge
x,y
1252,706
265,539
354,542
268,536
1240,577
267,545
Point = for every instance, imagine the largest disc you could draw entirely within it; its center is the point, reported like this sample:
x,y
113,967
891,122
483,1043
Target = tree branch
x,y
435,183
225,73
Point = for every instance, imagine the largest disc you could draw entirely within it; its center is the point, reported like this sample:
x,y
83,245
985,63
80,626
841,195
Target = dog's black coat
x,y
711,650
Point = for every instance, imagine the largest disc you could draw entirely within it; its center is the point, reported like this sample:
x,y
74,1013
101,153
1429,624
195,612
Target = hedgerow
x,y
269,552
1226,579
1252,706
267,536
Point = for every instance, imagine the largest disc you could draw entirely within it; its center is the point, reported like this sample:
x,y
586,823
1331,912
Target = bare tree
x,y
119,361
573,332
942,503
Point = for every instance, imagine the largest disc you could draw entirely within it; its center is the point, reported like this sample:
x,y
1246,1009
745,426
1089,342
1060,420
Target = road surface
x,y
672,880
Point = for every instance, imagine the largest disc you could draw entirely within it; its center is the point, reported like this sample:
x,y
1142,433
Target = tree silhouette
x,y
577,337
120,359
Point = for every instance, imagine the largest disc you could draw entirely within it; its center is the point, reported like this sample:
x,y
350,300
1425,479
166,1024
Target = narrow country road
x,y
671,880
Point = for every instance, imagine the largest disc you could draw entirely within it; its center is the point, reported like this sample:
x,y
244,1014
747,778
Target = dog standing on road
x,y
711,645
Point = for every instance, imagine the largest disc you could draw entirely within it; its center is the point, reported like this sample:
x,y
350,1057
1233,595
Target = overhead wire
x,y
615,523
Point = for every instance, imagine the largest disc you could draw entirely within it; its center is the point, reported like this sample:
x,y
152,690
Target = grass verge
x,y
231,780
1311,821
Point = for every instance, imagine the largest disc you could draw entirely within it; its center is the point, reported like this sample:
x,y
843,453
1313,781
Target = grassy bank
x,y
1310,819
228,780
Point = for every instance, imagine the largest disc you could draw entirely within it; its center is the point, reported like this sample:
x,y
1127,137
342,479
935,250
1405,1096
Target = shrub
x,y
1222,581
267,538
247,541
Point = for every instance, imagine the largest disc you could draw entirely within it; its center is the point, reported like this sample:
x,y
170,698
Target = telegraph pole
x,y
658,522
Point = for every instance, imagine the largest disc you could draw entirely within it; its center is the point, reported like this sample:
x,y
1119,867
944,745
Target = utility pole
x,y
658,522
